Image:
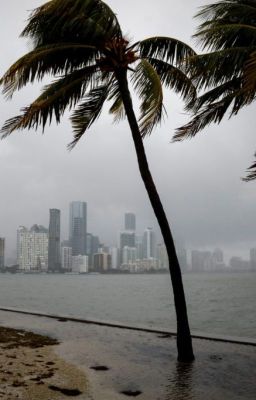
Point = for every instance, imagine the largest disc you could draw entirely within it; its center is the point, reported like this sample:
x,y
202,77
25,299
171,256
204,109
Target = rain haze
x,y
199,180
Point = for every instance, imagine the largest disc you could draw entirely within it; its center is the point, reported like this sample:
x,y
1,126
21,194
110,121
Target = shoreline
x,y
115,363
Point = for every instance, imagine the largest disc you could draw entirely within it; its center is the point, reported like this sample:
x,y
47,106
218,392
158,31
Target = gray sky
x,y
198,180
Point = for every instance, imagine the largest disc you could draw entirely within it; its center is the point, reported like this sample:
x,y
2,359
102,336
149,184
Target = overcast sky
x,y
198,180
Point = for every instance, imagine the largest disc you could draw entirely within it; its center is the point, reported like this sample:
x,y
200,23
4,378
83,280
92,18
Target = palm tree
x,y
228,70
82,45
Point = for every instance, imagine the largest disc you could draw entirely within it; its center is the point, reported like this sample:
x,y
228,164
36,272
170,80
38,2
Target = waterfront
x,y
217,303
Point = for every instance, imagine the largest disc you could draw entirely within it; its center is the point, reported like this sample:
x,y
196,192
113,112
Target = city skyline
x,y
131,247
199,180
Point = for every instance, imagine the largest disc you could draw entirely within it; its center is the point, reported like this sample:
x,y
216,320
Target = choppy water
x,y
217,303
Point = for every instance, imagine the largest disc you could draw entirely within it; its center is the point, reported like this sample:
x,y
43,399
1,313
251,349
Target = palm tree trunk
x,y
184,341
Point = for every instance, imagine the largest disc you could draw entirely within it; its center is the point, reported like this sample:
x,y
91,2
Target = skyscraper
x,y
149,243
127,238
2,248
54,263
129,222
78,227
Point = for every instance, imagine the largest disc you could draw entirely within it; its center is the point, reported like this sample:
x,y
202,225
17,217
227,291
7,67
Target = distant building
x,y
149,244
182,257
92,246
101,262
127,238
115,257
78,227
2,251
200,260
66,258
80,264
129,254
54,262
238,264
162,257
139,246
32,248
129,222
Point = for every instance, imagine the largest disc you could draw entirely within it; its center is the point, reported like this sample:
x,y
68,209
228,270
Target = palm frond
x,y
232,10
148,86
88,111
216,68
56,97
215,94
88,21
174,78
167,49
53,59
251,173
218,36
117,108
249,75
213,112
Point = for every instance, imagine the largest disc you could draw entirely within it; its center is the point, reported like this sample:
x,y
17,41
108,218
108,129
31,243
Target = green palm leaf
x,y
88,111
148,86
117,108
167,49
56,97
211,113
60,20
211,69
54,59
251,173
174,78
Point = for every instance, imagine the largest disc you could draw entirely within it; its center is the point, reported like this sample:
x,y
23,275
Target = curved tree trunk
x,y
184,341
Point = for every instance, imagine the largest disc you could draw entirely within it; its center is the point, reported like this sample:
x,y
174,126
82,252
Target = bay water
x,y
222,303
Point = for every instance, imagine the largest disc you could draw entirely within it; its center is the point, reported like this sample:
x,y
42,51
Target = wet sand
x,y
31,370
116,364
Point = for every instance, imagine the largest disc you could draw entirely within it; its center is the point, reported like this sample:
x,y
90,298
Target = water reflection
x,y
180,385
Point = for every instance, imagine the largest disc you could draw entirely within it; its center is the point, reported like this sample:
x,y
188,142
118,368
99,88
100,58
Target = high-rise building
x,y
101,262
66,258
54,262
2,250
149,243
127,238
162,256
129,254
78,227
32,248
129,222
115,261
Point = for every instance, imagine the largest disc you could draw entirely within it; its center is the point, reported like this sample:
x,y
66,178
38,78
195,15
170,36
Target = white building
x,y
80,264
32,248
66,258
162,257
129,254
115,261
149,243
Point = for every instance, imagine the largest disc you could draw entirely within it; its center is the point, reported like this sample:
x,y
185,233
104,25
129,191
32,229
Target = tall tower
x,y
78,227
54,262
2,248
149,243
129,222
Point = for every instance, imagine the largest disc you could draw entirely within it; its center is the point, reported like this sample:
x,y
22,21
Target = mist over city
x,y
199,180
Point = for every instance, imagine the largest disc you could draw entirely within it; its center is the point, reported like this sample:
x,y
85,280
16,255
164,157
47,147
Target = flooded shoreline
x,y
117,362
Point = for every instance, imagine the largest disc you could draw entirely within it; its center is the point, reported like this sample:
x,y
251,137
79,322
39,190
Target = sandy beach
x,y
30,369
